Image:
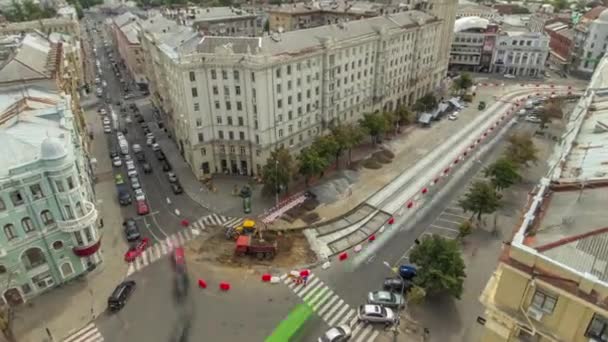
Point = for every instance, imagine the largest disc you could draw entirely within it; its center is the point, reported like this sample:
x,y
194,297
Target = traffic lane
x,y
314,328
248,312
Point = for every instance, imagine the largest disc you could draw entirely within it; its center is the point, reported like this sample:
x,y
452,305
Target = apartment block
x,y
520,53
67,25
218,21
230,101
473,45
47,211
551,283
590,41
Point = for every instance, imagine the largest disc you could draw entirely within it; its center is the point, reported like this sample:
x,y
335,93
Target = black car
x,y
167,166
113,154
140,156
181,283
396,285
177,188
159,155
144,125
140,118
146,167
146,130
119,296
131,230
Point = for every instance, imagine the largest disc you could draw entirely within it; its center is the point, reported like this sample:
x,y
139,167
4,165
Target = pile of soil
x,y
371,163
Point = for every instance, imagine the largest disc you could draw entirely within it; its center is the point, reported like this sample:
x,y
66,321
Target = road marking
x,y
151,255
365,332
130,269
443,228
348,316
89,333
373,336
309,286
144,259
158,226
455,209
180,238
328,304
327,295
281,278
359,327
157,251
150,230
333,309
449,221
353,321
460,216
163,248
338,315
318,295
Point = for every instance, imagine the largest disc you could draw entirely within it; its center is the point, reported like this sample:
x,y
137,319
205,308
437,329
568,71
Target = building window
x,y
215,90
27,224
278,72
201,138
280,133
197,107
9,232
278,88
598,328
257,139
194,92
2,205
33,258
69,213
36,191
47,217
289,70
70,183
217,104
79,209
78,237
236,75
255,124
239,105
228,105
242,135
203,152
58,244
66,269
213,74
226,91
279,103
219,120
88,235
243,150
543,301
237,90
230,135
230,120
199,122
252,77
192,76
2,269
16,198
241,121
220,134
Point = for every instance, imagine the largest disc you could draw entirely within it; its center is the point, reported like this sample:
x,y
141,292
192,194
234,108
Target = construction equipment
x,y
247,228
248,245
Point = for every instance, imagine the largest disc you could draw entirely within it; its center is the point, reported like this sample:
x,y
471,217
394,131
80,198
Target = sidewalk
x,y
70,307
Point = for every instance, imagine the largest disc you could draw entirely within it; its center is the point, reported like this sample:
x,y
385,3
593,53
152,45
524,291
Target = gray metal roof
x,y
30,61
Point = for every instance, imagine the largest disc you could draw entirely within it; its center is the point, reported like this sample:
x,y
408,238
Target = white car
x,y
107,129
453,117
340,333
128,120
376,314
140,195
132,173
117,162
136,148
97,80
135,183
509,76
104,84
150,142
106,121
155,147
533,119
130,165
150,136
103,111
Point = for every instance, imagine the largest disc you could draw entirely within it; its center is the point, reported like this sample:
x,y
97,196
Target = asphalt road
x,y
163,220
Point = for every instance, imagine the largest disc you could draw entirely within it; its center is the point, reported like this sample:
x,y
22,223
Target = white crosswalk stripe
x,y
217,220
157,251
89,333
330,307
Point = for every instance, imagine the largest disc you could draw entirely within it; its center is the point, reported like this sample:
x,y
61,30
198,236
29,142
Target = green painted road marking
x,y
291,325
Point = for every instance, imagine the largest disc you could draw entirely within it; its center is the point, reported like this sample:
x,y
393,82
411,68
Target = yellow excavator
x,y
247,228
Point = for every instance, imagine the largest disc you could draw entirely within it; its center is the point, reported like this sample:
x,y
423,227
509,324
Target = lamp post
x,y
400,307
276,182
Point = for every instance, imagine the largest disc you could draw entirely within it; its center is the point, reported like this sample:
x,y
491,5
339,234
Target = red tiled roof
x,y
594,13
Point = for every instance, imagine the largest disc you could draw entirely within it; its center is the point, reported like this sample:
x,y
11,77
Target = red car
x,y
136,250
142,208
179,259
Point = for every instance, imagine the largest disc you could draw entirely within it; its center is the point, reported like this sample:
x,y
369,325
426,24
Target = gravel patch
x,y
336,187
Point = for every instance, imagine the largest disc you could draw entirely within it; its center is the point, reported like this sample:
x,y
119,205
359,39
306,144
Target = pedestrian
x,y
101,223
305,280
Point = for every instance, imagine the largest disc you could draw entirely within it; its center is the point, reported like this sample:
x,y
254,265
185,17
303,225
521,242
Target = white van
x,y
124,146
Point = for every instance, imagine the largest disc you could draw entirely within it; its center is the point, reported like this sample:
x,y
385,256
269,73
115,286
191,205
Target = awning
x,y
454,102
425,118
87,251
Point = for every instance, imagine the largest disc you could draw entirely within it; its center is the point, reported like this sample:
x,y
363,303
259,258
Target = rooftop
x,y
467,23
199,14
341,6
307,40
124,19
32,122
35,58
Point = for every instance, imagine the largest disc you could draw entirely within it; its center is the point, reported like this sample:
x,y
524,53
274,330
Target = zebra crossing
x,y
330,307
89,333
217,220
158,250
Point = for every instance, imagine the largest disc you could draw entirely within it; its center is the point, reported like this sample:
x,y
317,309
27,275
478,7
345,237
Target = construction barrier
x,y
202,284
224,286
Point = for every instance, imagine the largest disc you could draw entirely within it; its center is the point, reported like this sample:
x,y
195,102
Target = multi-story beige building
x,y
230,101
552,280
303,15
218,21
125,34
66,25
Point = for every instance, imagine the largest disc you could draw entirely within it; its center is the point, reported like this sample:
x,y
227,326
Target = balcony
x,y
88,219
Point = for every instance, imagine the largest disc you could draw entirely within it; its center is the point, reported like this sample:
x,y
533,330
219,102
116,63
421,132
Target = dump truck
x,y
248,245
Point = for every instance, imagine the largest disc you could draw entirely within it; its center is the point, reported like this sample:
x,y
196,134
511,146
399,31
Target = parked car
x,y
135,183
160,155
132,173
106,121
142,208
118,179
150,142
167,166
177,188
136,148
141,156
172,177
453,116
116,161
120,295
132,232
107,129
376,314
340,333
509,76
407,272
156,147
136,250
396,284
130,164
128,120
533,119
386,298
140,195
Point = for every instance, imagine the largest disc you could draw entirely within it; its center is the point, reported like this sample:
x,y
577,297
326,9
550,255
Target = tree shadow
x,y
439,314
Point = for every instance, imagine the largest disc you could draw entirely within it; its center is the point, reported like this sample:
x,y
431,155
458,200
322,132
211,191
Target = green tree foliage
x,y
391,121
426,103
464,229
278,171
27,10
503,173
463,82
440,266
404,115
374,124
551,110
482,198
347,136
521,149
311,163
416,295
327,147
560,4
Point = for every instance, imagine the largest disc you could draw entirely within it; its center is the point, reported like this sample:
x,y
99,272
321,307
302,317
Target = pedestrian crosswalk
x,y
330,307
89,333
217,220
163,247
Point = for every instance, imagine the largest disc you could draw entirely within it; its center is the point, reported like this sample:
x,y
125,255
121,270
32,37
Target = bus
x,y
291,326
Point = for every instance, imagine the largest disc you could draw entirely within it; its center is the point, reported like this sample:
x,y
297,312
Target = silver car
x,y
340,333
376,314
386,298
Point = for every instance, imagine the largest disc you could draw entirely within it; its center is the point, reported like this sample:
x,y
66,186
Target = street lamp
x,y
276,182
400,307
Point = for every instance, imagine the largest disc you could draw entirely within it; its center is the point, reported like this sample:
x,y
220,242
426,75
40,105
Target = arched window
x,y
2,205
9,231
58,244
2,269
47,218
33,258
27,224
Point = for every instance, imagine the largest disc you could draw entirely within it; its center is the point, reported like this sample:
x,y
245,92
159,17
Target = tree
x,y
502,173
416,295
327,147
312,163
521,149
464,229
391,121
277,172
347,136
551,110
481,198
404,115
440,268
560,4
463,82
374,124
426,103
